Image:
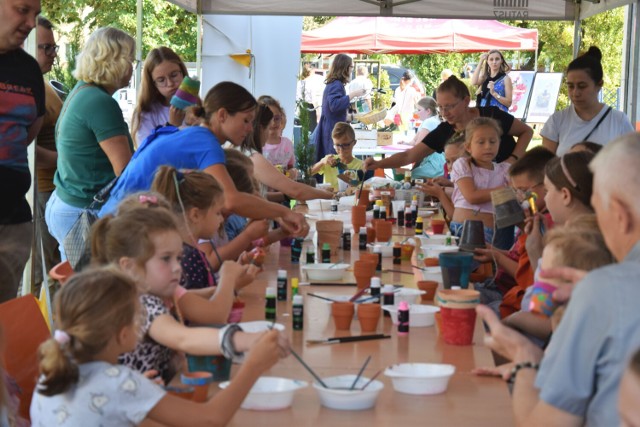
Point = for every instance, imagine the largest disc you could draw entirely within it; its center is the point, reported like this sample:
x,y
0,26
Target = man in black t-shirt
x,y
21,111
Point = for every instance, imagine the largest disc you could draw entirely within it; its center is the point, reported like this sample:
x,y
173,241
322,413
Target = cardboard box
x,y
385,138
365,134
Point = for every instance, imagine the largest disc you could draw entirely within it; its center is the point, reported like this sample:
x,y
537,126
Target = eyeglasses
x,y
446,108
277,118
175,77
347,145
49,49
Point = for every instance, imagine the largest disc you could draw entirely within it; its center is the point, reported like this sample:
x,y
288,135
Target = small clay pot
x,y
358,217
200,381
342,315
369,316
430,287
363,270
437,226
363,197
372,258
431,262
406,250
371,234
383,231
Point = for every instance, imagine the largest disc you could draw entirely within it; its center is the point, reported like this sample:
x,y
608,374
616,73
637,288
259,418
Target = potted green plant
x,y
305,151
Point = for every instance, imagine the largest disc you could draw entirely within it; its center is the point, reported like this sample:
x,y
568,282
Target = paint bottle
x,y
387,297
270,304
403,318
381,209
376,211
294,286
298,312
334,206
400,216
377,249
326,253
408,218
311,255
419,226
346,238
362,239
414,208
447,239
407,176
282,285
397,253
374,289
296,250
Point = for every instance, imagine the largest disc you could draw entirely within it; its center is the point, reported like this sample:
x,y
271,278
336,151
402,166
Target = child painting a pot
x,y
332,165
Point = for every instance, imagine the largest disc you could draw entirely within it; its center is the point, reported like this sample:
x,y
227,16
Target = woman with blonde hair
x,y
92,138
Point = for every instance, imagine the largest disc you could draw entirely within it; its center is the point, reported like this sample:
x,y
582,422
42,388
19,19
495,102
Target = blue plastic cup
x,y
456,268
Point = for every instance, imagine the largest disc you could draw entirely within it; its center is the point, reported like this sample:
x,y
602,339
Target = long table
x,y
469,401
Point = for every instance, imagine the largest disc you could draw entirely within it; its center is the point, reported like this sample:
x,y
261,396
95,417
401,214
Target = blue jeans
x,y
60,217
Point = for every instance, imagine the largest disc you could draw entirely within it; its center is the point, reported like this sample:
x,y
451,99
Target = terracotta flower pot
x,y
430,287
372,258
329,232
200,382
358,217
363,197
431,262
437,226
383,231
363,271
406,250
342,314
369,316
371,234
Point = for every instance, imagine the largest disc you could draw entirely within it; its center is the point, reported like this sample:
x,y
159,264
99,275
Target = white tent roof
x,y
458,9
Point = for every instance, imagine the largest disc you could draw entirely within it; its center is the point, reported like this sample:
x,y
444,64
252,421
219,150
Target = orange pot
x,y
383,231
363,271
358,217
430,287
363,197
342,314
369,316
431,262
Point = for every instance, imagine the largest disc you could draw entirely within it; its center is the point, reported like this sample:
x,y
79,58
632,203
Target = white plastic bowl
x,y
409,295
323,205
348,400
420,378
433,251
433,239
432,273
270,393
387,250
260,326
325,271
420,316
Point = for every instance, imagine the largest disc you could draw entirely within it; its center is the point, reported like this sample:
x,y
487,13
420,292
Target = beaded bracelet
x,y
518,366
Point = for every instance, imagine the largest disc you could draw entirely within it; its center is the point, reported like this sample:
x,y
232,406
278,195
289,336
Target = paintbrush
x,y
339,340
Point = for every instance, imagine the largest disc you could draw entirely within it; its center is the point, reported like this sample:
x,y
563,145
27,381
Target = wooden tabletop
x,y
469,400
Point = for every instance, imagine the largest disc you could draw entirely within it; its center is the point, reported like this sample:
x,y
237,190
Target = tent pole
x,y
138,44
535,62
630,90
577,39
199,43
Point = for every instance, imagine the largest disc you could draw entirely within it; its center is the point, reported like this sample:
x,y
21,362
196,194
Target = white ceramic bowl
x,y
420,378
270,393
318,205
260,326
432,273
387,250
348,400
420,316
325,271
409,295
433,251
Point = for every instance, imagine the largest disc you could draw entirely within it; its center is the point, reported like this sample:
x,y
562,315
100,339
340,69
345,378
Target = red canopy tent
x,y
369,35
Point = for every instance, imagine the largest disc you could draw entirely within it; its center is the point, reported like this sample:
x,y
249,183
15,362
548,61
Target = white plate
x,y
270,393
260,326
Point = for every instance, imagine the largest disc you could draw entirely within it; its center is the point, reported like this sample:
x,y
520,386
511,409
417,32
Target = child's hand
x,y
484,254
267,349
503,371
442,181
329,160
248,277
154,376
233,270
431,189
176,116
256,228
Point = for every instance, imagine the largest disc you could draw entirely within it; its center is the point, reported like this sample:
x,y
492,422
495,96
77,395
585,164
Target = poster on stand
x,y
522,82
544,97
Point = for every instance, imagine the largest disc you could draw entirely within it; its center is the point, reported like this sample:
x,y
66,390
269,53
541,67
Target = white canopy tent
x,y
572,10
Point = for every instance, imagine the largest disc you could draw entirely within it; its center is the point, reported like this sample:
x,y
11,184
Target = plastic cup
x,y
458,325
200,382
397,205
437,226
541,299
456,268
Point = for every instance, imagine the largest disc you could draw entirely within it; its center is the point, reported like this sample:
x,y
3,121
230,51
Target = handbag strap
x,y
597,124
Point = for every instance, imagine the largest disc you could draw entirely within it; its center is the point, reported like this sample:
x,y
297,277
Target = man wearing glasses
x,y
21,111
46,154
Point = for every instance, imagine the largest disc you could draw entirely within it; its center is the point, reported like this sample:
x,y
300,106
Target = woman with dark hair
x,y
335,103
229,112
494,85
586,119
161,77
